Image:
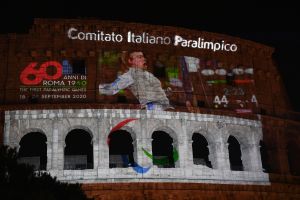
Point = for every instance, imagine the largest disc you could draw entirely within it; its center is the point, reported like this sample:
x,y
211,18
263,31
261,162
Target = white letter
x,y
233,49
119,38
177,40
70,33
81,36
90,36
225,47
129,37
167,40
217,48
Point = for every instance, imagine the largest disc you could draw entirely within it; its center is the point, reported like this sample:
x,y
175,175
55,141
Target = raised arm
x,y
120,83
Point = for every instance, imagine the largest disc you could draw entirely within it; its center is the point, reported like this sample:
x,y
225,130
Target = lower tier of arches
x,y
138,145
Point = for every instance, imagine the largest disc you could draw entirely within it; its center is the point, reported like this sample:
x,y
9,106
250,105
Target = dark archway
x,y
264,156
235,154
33,150
78,150
120,149
200,150
162,150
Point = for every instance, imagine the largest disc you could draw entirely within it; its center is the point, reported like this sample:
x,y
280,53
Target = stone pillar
x,y
251,157
103,148
218,154
6,130
189,154
96,144
49,154
142,159
181,149
184,147
58,145
103,156
95,153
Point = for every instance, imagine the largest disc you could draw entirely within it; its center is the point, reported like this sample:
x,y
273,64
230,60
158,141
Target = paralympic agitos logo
x,y
136,167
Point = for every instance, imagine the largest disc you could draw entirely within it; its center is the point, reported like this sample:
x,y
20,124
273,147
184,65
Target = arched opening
x,y
120,149
162,150
200,150
235,154
264,156
78,150
33,150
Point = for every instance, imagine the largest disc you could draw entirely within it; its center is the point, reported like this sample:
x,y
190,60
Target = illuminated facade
x,y
110,102
56,124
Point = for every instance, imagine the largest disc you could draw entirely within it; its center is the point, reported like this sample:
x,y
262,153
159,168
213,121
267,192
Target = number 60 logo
x,y
33,76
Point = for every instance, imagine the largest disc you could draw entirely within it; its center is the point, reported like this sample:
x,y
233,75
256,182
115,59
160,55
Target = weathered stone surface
x,y
180,126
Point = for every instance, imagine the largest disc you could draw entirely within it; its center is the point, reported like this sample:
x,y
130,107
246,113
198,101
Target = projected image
x,y
53,80
154,81
224,85
142,83
161,81
121,154
144,79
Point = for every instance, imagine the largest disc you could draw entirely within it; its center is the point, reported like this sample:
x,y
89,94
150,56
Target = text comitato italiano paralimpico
x,y
146,38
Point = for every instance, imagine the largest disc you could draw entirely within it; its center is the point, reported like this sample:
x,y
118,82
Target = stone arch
x,y
164,143
200,150
235,154
168,130
131,131
88,130
33,149
162,125
209,136
248,138
75,157
30,130
133,135
122,148
242,137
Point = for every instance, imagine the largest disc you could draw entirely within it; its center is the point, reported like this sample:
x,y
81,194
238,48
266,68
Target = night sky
x,y
270,23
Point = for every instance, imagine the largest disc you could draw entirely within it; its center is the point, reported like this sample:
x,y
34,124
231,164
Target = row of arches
x,y
78,150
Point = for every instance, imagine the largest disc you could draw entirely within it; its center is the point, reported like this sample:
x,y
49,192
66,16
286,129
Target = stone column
x,y
103,151
251,157
15,145
95,144
49,154
218,154
58,145
184,147
103,127
189,154
6,130
94,128
181,149
142,159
